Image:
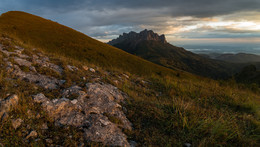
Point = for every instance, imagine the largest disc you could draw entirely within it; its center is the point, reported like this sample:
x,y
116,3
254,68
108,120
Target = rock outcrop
x,y
94,108
22,60
135,38
6,105
92,111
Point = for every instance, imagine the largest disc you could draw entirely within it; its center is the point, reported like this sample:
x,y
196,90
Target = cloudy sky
x,y
184,22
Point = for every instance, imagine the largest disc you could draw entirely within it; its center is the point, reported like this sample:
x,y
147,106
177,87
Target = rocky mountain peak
x,y
137,37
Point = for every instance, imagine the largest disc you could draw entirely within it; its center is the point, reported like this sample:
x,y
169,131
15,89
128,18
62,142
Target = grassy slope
x,y
176,57
169,110
55,38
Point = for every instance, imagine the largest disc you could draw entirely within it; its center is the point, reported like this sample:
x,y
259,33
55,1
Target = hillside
x,y
53,96
235,58
162,53
66,41
249,75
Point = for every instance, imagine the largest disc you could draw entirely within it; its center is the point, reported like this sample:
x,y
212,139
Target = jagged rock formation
x,y
135,38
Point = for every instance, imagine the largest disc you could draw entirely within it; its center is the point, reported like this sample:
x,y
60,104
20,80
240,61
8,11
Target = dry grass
x,y
166,110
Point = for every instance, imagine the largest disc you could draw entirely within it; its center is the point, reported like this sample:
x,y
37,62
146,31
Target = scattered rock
x,y
81,144
40,98
116,82
38,116
144,82
74,101
32,134
132,143
19,48
17,123
74,90
72,68
187,145
23,56
22,62
85,67
49,141
108,134
126,76
30,114
92,70
44,62
44,126
7,104
41,80
32,68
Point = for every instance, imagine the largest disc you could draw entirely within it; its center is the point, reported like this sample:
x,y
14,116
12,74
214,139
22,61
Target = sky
x,y
188,23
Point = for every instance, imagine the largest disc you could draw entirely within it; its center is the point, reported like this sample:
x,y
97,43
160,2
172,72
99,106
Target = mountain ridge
x,y
171,56
137,37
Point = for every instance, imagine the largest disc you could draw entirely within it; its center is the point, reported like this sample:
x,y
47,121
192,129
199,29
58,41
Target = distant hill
x,y
249,75
155,48
239,58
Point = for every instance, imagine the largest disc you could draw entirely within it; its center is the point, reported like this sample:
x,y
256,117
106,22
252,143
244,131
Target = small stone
x,y
39,98
49,141
30,114
92,70
44,126
55,100
32,68
74,101
132,143
22,62
72,68
144,82
85,67
32,135
104,122
116,82
126,76
81,144
38,116
187,145
37,140
17,123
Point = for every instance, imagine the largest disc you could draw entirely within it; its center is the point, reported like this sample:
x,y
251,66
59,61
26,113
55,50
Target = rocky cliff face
x,y
137,37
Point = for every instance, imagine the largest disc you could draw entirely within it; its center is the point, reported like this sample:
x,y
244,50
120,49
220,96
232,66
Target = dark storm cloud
x,y
103,18
197,8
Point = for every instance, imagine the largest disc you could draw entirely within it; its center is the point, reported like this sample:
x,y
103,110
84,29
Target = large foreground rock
x,y
91,112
